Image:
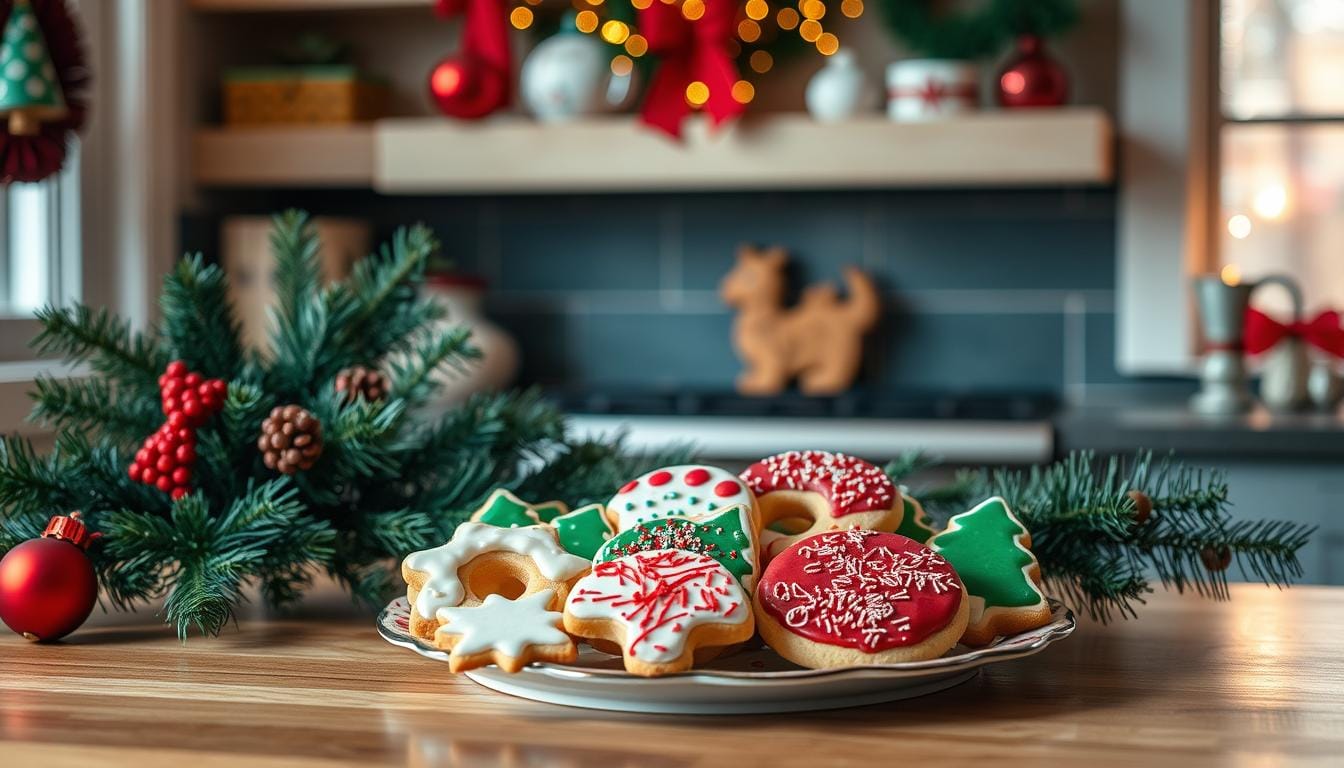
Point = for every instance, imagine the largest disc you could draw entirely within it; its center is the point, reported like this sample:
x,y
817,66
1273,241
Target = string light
x,y
621,65
757,9
787,18
1239,226
697,93
810,29
813,9
693,9
761,61
1231,275
852,9
585,21
636,46
521,17
615,32
641,4
743,92
748,31
1270,202
828,44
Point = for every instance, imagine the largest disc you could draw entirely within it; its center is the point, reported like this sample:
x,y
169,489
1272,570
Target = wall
x,y
985,290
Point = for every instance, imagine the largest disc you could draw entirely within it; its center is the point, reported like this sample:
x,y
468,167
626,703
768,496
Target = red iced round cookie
x,y
860,597
828,491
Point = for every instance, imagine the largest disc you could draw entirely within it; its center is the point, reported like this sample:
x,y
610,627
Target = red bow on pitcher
x,y
689,51
1323,332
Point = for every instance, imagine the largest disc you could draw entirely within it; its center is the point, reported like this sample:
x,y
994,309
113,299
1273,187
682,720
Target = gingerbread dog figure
x,y
820,341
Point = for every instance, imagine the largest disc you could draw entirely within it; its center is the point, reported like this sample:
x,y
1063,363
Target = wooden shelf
x,y
225,6
514,155
307,156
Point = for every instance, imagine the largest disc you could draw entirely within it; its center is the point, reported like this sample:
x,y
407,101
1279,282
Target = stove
x,y
911,405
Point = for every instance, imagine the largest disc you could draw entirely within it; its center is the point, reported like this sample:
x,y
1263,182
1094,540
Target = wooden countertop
x,y
1258,681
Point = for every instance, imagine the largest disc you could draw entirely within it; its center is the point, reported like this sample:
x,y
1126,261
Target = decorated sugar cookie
x,y
990,548
859,597
831,490
481,560
660,606
505,510
583,531
915,523
692,491
507,633
726,537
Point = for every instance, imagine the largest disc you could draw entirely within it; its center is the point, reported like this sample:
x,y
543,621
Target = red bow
x,y
1323,332
485,34
689,51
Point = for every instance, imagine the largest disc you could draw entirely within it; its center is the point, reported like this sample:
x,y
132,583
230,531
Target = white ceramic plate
x,y
751,681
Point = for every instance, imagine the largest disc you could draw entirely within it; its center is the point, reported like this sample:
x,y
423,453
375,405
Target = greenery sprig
x,y
973,34
1103,529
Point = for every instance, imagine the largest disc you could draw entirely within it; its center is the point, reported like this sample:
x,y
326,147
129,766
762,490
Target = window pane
x,y
1283,209
1282,57
30,247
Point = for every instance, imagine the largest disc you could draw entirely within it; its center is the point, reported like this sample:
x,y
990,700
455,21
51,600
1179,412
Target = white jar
x,y
462,297
928,89
839,90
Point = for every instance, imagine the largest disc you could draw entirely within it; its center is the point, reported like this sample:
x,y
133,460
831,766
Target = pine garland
x,y
1098,550
386,483
945,34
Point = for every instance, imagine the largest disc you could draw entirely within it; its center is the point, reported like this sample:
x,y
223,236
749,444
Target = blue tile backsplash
x,y
985,290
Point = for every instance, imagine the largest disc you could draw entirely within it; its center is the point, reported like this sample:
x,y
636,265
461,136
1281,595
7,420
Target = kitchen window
x,y
1281,175
39,251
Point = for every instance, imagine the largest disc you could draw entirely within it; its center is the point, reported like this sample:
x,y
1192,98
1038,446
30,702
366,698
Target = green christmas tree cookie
x,y
583,531
726,537
505,510
915,522
549,510
989,548
29,90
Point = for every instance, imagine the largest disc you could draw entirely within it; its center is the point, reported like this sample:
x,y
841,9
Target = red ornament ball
x,y
467,88
47,585
1032,78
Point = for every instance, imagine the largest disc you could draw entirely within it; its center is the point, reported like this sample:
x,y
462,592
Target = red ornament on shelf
x,y
1032,78
47,585
476,81
167,456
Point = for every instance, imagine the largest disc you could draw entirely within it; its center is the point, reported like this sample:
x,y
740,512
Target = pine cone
x,y
291,439
358,380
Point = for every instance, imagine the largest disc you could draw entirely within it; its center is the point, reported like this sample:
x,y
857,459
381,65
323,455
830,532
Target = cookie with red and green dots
x,y
690,491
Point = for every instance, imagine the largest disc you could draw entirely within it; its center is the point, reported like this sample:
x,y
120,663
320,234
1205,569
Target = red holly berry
x,y
192,379
148,476
134,471
176,369
178,493
142,456
193,411
164,464
177,420
181,476
164,483
185,454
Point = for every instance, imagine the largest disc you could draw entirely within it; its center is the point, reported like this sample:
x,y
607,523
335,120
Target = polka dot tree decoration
x,y
29,90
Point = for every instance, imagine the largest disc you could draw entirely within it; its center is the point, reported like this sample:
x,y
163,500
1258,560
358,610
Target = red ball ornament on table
x,y
48,585
1032,78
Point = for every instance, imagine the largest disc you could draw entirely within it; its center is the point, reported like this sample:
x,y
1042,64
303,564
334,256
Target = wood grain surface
x,y
1258,681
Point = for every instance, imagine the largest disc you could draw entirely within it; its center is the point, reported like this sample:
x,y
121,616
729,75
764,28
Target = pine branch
x,y
383,310
585,472
902,467
130,361
32,485
412,377
198,321
89,404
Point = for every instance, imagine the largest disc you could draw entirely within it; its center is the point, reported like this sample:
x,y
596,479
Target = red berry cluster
x,y
189,400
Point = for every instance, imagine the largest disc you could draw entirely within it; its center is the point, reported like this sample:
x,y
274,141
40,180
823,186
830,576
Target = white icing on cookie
x,y
658,597
444,590
503,625
692,491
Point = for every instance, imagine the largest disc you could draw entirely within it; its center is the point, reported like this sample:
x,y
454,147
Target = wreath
x,y
929,29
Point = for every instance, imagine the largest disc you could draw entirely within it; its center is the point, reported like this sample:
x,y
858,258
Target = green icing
x,y
549,510
915,523
505,510
984,546
583,531
726,537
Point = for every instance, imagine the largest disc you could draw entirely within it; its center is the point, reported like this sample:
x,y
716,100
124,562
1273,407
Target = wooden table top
x,y
1258,681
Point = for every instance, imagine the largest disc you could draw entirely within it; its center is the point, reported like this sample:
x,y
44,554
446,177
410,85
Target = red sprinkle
x,y
660,478
630,486
697,477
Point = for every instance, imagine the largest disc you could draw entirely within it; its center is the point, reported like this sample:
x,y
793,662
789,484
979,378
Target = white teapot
x,y
568,75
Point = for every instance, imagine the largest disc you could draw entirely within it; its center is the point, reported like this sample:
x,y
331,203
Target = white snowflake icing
x,y
866,585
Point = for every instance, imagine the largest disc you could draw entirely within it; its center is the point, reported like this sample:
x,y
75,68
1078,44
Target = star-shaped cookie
x,y
507,633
